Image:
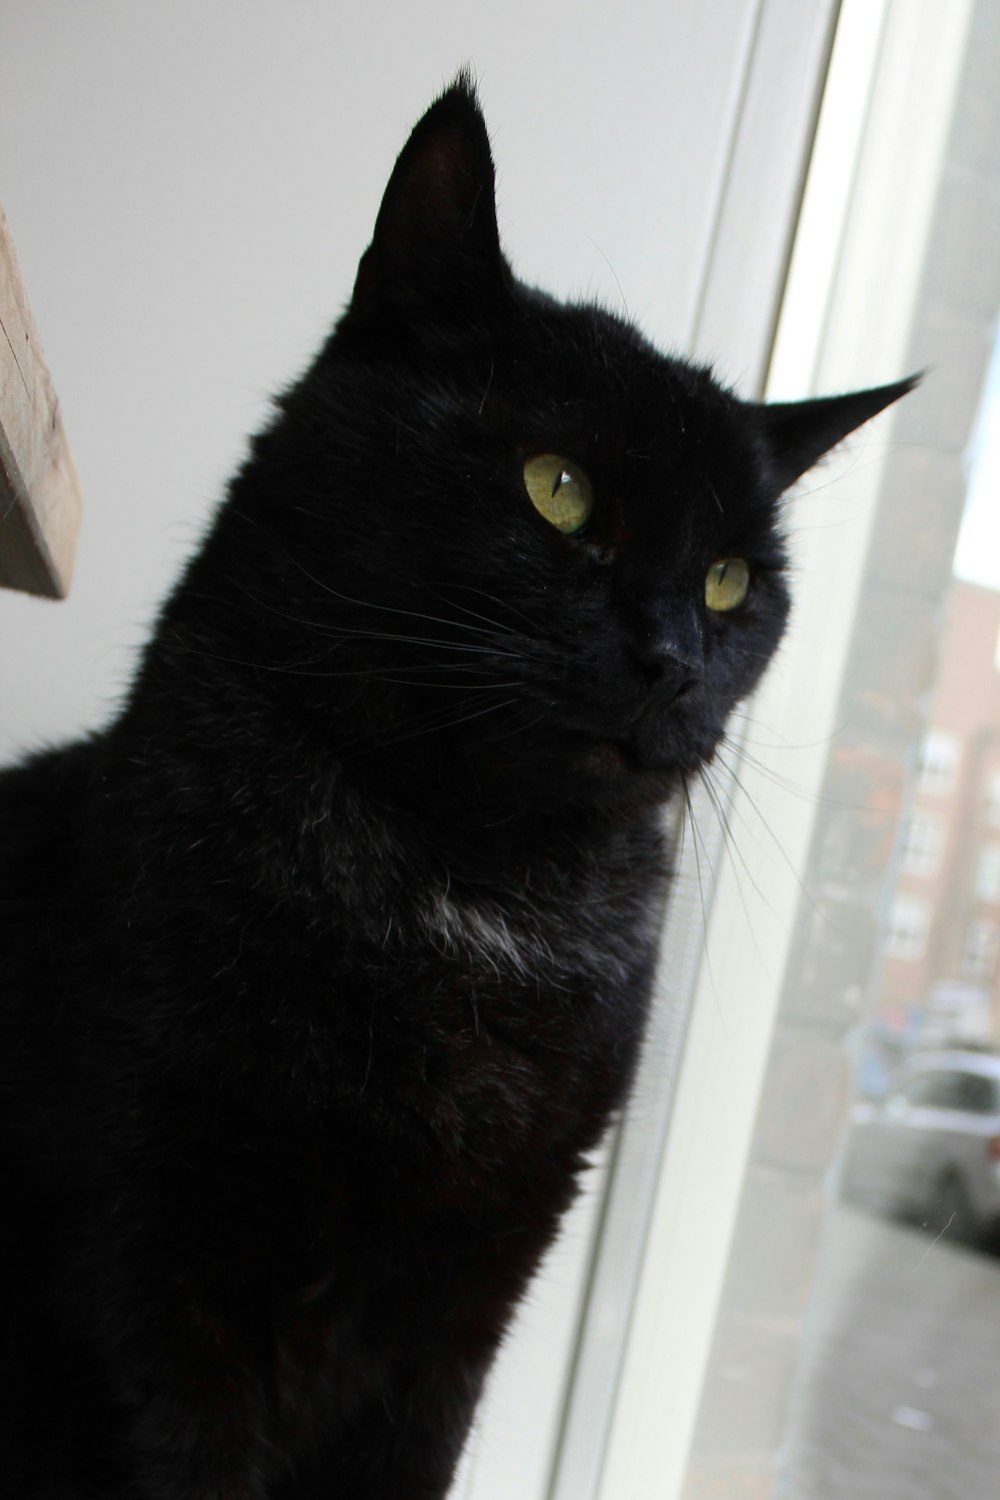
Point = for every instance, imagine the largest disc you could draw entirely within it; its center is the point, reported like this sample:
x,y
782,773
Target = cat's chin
x,y
625,764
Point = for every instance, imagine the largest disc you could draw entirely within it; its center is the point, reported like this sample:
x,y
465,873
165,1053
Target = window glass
x,y
946,1091
867,1365
975,1093
919,1091
926,1091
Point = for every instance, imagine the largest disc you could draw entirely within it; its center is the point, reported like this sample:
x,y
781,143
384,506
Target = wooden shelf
x,y
39,487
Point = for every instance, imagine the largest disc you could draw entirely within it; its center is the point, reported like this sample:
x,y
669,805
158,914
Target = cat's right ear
x,y
797,433
436,252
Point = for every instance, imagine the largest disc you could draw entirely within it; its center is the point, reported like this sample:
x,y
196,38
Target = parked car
x,y
931,1148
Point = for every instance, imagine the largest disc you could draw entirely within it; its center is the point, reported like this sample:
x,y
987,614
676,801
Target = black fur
x,y
326,964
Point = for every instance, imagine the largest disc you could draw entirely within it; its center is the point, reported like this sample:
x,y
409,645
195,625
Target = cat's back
x,y
42,806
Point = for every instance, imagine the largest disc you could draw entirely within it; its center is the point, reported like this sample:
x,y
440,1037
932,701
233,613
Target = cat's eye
x,y
559,490
727,583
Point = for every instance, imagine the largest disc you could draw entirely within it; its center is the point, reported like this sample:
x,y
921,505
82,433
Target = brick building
x,y
940,975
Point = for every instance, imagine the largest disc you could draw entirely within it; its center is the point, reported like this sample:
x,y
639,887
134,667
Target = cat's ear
x,y
797,433
436,248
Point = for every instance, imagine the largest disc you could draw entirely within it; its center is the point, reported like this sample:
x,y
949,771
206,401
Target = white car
x,y
931,1148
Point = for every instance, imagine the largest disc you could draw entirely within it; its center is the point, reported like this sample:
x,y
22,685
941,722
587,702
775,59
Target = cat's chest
x,y
504,1036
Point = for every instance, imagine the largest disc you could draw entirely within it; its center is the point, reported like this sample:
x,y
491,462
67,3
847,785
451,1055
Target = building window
x,y
979,957
993,802
988,874
909,920
937,762
922,845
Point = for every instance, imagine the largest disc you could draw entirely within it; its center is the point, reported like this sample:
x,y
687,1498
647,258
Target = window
x,y
988,874
993,802
937,763
909,920
953,1089
922,846
976,1094
979,956
950,1090
846,1345
922,1092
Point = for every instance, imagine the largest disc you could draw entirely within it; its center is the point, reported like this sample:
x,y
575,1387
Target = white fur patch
x,y
482,930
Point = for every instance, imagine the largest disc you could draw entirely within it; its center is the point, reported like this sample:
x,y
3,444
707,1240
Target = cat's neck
x,y
226,766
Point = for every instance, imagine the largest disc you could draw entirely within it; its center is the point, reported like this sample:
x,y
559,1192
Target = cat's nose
x,y
668,675
670,653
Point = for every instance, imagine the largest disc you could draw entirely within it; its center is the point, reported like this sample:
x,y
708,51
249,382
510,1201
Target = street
x,y
899,1393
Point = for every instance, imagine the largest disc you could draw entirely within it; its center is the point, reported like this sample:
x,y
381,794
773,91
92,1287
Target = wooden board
x,y
39,487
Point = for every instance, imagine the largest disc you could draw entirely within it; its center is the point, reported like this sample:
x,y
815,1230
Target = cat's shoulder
x,y
40,802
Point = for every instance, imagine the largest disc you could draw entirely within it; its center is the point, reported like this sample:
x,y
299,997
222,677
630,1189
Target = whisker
x,y
432,641
343,632
732,848
392,675
701,897
391,609
779,742
795,789
494,599
474,614
428,726
765,824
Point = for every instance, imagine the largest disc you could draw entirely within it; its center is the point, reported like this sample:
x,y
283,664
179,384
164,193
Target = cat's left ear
x,y
797,433
436,250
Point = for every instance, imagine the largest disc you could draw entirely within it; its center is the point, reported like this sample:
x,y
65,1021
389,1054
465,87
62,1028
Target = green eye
x,y
559,490
727,583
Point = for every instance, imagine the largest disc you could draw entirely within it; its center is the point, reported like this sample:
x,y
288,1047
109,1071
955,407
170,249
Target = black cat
x,y
326,964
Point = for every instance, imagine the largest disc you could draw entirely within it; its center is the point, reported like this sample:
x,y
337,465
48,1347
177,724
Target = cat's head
x,y
530,549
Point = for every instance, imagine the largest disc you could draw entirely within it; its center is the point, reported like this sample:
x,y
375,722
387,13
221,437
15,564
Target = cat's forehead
x,y
586,349
589,376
